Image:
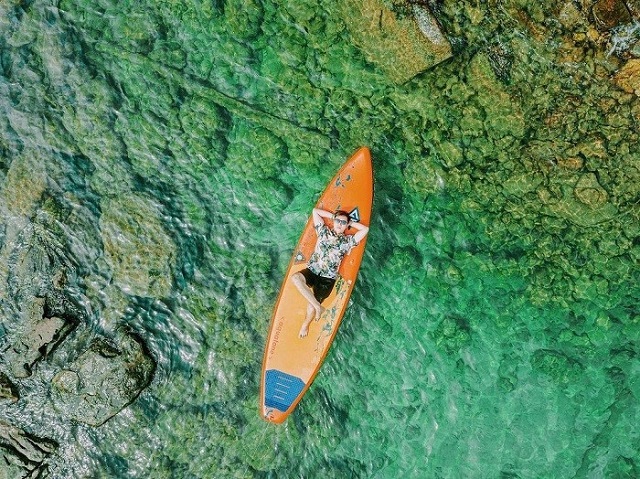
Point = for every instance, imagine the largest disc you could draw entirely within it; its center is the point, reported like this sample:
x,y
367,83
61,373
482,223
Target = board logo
x,y
276,336
354,214
300,257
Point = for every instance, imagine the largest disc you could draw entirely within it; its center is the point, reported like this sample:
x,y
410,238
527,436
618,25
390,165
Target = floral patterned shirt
x,y
330,249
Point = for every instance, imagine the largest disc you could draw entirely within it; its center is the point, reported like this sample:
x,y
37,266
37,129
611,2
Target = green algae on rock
x,y
402,47
253,153
25,184
502,115
452,334
141,258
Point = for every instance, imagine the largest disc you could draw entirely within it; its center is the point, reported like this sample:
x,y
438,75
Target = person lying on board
x,y
316,281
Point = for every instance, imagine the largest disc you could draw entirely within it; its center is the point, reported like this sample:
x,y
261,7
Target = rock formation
x,y
403,45
23,455
103,380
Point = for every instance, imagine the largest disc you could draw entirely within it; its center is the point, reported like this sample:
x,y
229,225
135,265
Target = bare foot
x,y
304,330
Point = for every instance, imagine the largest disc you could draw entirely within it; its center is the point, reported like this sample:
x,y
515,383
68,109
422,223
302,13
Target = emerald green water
x,y
171,152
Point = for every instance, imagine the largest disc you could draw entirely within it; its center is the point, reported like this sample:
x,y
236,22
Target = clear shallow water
x,y
169,154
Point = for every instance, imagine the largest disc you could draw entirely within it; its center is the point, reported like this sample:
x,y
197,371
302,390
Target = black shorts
x,y
320,285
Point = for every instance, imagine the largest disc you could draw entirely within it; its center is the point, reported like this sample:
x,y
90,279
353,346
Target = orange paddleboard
x,y
291,363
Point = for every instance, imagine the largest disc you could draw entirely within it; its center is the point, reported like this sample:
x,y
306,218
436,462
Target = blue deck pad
x,y
281,389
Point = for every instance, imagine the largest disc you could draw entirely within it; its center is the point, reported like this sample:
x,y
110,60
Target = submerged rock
x,y
610,13
628,77
103,380
589,192
452,334
40,337
8,391
571,17
22,454
584,203
402,46
137,247
498,115
634,8
557,366
501,60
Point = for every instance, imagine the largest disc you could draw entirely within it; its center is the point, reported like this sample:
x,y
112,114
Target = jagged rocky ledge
x,y
95,376
23,455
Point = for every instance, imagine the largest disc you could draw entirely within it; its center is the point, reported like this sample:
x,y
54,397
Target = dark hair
x,y
342,213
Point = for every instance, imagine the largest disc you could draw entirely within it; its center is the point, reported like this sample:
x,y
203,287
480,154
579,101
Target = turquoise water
x,y
168,154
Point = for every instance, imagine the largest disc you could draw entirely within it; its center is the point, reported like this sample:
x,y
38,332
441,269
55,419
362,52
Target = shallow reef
x,y
158,159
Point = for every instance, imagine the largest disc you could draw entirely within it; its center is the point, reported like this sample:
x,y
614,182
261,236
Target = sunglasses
x,y
340,222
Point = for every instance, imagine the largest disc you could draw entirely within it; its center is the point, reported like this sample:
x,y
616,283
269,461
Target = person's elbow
x,y
319,213
361,234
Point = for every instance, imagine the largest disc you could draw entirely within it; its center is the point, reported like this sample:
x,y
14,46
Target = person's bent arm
x,y
362,231
318,214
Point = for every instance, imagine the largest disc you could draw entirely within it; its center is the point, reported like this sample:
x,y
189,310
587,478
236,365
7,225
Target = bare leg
x,y
300,283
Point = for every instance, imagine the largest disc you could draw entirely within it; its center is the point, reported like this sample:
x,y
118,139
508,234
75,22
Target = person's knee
x,y
298,278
